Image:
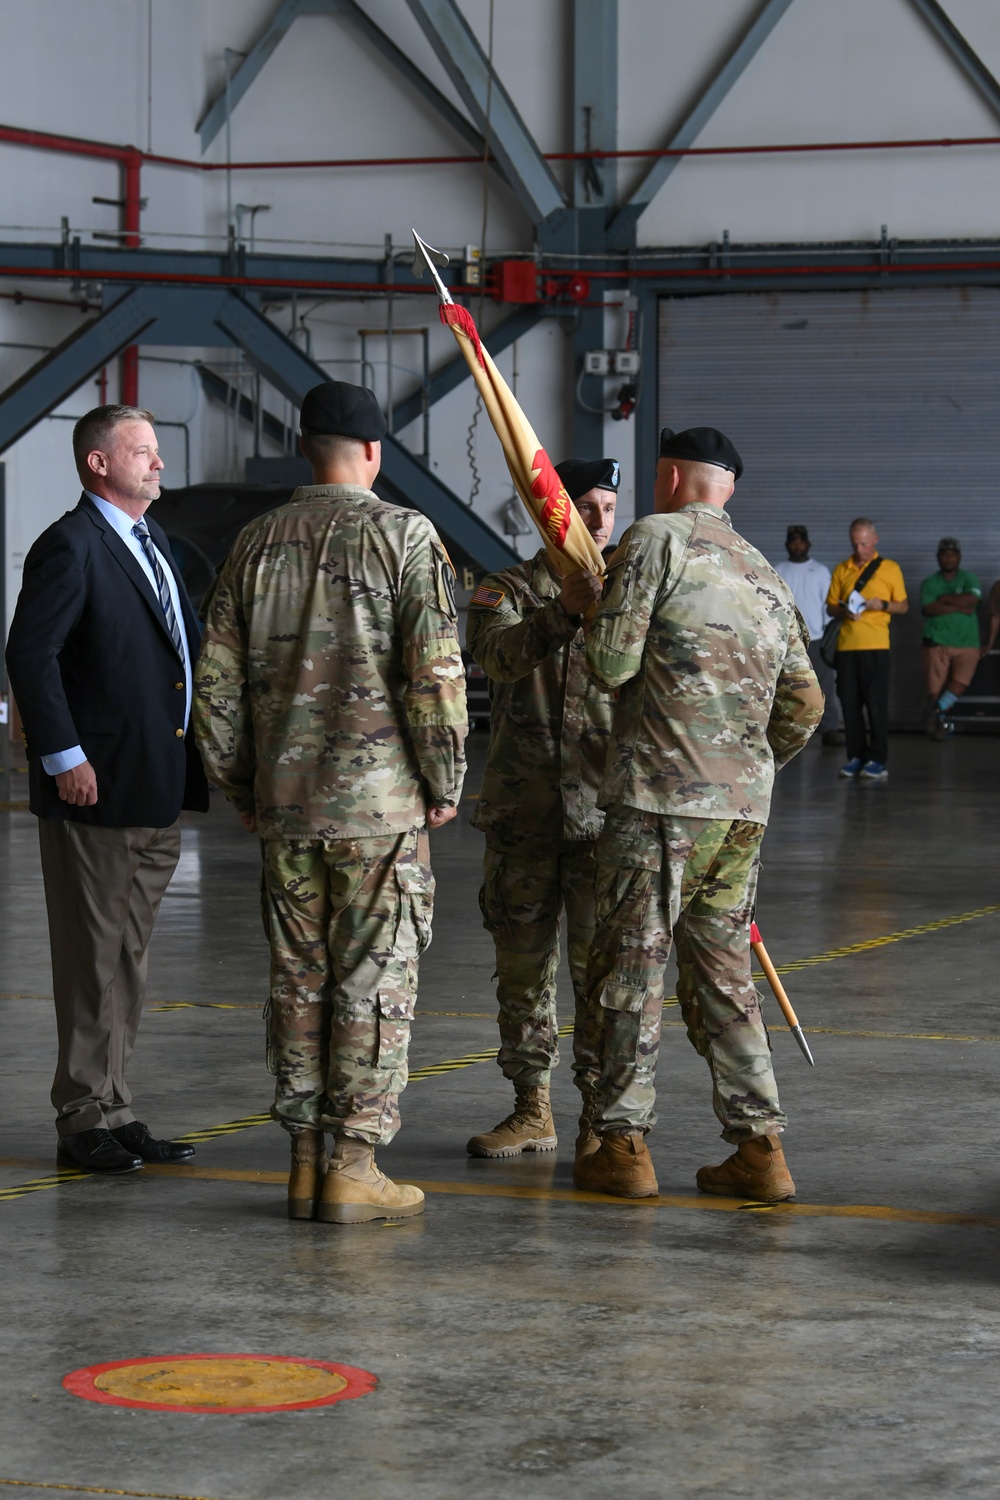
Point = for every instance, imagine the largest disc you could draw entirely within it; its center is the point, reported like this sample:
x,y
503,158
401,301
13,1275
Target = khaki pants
x,y
942,662
691,880
103,888
347,922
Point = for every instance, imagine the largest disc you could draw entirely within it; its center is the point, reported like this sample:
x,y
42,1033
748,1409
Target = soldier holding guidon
x,y
701,639
549,727
330,708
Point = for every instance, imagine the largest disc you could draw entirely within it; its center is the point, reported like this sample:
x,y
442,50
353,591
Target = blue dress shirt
x,y
65,760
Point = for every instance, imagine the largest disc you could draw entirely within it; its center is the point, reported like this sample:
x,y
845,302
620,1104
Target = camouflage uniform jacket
x,y
330,694
549,724
703,640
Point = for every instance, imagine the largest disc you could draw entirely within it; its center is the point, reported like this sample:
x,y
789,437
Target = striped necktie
x,y
141,531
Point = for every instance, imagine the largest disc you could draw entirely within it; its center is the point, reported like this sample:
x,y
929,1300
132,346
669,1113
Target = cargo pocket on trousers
x,y
622,905
416,895
395,1012
491,898
623,896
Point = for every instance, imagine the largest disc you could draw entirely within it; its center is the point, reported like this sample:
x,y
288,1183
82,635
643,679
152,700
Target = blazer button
x,y
179,733
179,686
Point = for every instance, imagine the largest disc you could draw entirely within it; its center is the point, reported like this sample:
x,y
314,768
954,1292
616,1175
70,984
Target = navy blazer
x,y
91,663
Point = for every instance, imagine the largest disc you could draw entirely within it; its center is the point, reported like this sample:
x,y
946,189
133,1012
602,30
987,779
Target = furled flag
x,y
569,544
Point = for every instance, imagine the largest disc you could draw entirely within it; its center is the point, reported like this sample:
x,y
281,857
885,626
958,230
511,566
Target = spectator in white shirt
x,y
809,582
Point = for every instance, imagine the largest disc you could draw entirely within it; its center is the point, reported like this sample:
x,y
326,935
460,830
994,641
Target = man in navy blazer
x,y
100,658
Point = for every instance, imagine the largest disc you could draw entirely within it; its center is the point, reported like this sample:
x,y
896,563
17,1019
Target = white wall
x,y
831,70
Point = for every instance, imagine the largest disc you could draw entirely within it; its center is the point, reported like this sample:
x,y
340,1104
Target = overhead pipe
x,y
370,289
80,146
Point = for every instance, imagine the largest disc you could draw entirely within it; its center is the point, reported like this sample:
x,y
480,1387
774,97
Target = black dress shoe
x,y
96,1151
135,1137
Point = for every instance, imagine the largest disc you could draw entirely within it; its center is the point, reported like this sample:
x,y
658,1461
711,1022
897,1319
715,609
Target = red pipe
x,y
367,288
79,146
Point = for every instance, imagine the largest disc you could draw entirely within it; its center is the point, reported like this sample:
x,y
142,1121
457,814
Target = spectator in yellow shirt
x,y
863,649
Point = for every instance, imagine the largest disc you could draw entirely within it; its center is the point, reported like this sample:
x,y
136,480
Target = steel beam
x,y
510,141
417,79
215,116
228,396
288,11
967,58
402,478
621,232
56,376
455,371
595,99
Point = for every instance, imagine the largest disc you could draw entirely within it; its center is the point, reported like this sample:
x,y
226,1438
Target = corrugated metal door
x,y
884,404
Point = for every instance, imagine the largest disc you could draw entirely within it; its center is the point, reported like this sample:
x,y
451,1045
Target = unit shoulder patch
x,y
488,598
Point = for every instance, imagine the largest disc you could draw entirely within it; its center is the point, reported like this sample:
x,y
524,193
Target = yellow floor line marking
x,y
881,942
207,1005
895,1036
881,1212
257,1005
94,1489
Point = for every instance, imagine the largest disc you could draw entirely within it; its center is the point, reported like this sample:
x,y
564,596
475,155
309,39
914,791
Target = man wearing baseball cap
x,y
549,726
330,706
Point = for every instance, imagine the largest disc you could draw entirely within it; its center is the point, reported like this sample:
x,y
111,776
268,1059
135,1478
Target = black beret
x,y
337,409
580,475
702,445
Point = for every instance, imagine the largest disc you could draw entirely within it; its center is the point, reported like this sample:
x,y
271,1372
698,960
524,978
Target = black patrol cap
x,y
580,475
799,531
337,409
702,445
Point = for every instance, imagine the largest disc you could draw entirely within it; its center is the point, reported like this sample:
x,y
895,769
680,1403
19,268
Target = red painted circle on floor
x,y
219,1384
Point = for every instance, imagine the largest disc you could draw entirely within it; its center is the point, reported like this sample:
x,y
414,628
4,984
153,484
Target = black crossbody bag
x,y
828,640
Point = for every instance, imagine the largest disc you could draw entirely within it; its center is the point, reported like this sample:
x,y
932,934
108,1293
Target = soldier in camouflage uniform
x,y
549,727
330,708
701,640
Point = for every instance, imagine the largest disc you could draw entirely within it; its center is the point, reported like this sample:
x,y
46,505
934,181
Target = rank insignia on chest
x,y
488,598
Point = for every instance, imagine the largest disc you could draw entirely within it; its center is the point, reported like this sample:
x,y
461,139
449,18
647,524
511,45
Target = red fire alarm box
x,y
516,281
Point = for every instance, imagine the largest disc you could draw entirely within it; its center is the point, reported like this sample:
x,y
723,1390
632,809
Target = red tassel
x,y
754,933
460,318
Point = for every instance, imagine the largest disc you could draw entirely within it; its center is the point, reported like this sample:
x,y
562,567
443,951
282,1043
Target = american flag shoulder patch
x,y
488,598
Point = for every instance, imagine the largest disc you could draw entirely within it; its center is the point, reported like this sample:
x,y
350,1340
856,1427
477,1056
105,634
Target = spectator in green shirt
x,y
949,600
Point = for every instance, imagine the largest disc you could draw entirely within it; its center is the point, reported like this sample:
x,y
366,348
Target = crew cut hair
x,y
93,430
860,521
329,448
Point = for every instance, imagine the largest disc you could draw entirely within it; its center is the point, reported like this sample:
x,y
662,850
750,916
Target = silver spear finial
x,y
431,259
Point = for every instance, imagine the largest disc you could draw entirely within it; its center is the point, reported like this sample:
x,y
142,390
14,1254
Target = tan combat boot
x,y
757,1170
528,1128
586,1141
621,1166
355,1191
306,1176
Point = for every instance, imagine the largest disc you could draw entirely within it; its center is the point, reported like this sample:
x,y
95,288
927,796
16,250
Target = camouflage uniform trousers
x,y
691,880
347,922
522,899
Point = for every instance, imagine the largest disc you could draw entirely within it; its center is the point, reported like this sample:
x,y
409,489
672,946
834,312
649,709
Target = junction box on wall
x,y
611,362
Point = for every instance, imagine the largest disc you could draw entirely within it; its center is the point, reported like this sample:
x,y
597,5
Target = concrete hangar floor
x,y
527,1340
